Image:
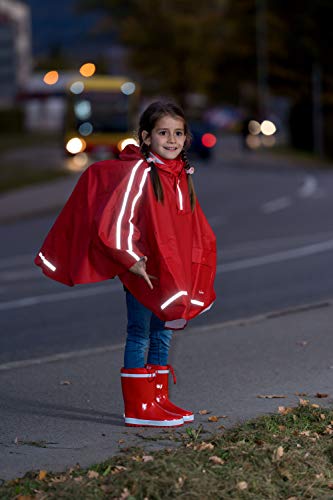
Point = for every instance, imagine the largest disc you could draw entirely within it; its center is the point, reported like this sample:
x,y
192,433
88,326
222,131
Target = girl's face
x,y
167,138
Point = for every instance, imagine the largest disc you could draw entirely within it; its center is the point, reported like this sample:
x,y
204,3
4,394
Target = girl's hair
x,y
147,122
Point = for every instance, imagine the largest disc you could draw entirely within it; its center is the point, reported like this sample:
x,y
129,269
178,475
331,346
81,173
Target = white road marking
x,y
20,275
309,187
57,297
276,205
295,253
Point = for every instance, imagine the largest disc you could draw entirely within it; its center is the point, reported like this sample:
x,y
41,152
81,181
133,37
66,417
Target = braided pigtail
x,y
189,170
155,178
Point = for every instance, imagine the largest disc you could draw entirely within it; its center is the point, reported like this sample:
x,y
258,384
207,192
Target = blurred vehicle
x,y
203,139
101,115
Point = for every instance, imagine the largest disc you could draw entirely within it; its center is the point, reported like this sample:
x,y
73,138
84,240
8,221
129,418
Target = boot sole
x,y
138,422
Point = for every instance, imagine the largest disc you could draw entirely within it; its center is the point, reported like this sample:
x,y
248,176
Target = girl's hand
x,y
139,268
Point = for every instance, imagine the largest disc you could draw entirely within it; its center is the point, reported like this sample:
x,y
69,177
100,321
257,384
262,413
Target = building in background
x,y
15,49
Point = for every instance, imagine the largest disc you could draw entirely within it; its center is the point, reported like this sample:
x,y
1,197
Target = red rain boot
x,y
162,392
141,408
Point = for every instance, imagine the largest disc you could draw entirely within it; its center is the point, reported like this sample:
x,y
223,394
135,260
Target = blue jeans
x,y
143,329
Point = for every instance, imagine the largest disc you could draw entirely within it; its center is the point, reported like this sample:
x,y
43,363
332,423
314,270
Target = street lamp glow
x,y
88,69
51,77
77,87
125,142
254,127
268,127
76,145
128,88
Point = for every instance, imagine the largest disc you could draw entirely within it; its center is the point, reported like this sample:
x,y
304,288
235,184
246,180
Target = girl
x,y
138,218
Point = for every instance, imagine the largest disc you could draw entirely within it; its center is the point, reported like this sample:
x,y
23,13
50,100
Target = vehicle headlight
x,y
76,145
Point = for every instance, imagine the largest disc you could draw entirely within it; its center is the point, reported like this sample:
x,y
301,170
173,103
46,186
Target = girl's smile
x,y
167,138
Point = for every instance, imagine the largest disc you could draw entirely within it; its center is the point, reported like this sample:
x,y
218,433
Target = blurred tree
x,y
174,46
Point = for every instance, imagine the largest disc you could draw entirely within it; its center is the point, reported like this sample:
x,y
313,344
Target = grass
x,y
288,455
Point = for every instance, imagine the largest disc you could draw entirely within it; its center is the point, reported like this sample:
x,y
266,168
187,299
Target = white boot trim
x,y
155,423
138,375
162,371
188,418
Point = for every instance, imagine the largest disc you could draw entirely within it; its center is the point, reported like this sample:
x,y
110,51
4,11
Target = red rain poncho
x,y
112,219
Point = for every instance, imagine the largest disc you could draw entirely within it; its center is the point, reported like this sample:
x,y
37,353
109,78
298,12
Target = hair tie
x,y
190,170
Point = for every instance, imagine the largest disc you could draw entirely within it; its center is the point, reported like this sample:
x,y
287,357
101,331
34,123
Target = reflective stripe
x,y
138,375
123,207
162,371
197,302
180,196
130,236
154,423
173,298
47,262
188,418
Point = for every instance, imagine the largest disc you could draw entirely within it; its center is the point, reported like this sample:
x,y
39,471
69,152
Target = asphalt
x,y
66,409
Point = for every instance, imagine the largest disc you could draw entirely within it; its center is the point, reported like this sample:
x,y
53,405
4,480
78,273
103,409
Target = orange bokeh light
x,y
208,140
51,77
87,69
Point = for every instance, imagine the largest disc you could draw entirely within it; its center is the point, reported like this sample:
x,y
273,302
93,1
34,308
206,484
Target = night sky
x,y
55,23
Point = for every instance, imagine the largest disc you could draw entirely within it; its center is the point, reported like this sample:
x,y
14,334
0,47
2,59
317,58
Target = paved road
x,y
275,240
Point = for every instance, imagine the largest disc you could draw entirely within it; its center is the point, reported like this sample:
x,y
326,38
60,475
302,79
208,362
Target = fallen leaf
x,y
216,460
320,476
304,402
271,396
242,485
315,406
302,394
213,418
323,416
92,474
42,475
282,427
321,395
278,453
180,481
204,446
117,469
78,479
284,410
330,486
147,458
121,441
285,474
59,479
204,412
65,382
305,433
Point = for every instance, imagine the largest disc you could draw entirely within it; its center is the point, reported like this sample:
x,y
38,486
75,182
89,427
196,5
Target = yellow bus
x,y
101,115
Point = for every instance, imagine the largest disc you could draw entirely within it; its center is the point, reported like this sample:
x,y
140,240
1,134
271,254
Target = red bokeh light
x,y
208,140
